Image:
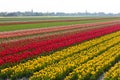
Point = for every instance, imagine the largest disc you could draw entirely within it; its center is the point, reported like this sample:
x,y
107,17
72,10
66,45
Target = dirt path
x,y
101,77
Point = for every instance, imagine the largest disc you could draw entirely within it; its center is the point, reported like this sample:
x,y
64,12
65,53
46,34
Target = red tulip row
x,y
52,29
16,48
53,44
23,42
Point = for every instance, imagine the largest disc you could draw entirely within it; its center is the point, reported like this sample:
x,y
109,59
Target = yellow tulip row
x,y
113,73
96,66
60,69
40,62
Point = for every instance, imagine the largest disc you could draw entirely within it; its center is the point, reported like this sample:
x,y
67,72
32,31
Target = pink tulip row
x,y
52,29
22,42
17,54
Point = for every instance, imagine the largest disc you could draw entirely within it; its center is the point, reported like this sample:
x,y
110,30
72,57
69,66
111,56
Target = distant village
x,y
32,13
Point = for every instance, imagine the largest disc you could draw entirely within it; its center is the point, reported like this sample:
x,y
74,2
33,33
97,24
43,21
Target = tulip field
x,y
74,51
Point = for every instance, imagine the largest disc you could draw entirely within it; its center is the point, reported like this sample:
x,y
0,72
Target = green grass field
x,y
38,18
48,24
41,18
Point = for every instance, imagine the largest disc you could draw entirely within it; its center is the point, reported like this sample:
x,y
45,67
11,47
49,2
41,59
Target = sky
x,y
68,6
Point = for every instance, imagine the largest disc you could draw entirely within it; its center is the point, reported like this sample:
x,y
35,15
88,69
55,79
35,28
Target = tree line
x,y
31,13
